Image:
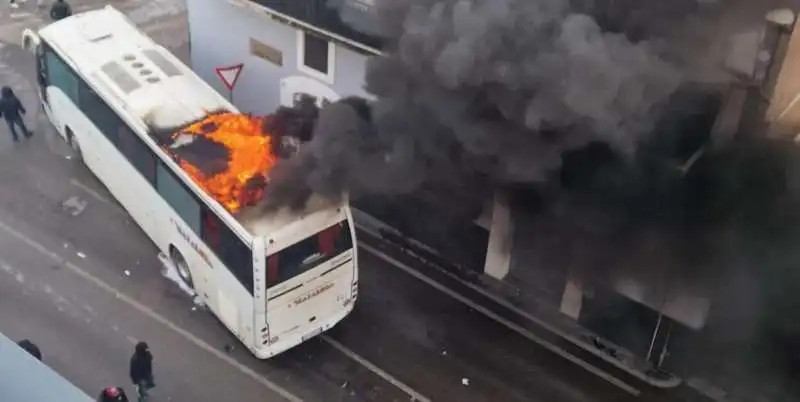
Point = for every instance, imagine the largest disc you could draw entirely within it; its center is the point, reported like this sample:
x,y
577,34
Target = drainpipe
x,y
775,43
772,51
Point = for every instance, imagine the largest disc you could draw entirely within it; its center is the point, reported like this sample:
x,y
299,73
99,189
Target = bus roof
x,y
23,378
152,85
149,81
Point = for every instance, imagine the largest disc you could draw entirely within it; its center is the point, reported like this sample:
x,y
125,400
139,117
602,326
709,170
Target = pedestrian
x,y
12,110
113,394
31,348
141,370
60,10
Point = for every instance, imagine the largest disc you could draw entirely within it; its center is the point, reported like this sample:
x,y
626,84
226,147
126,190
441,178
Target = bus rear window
x,y
308,253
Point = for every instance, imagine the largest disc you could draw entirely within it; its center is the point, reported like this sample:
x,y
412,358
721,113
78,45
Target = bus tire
x,y
183,268
73,143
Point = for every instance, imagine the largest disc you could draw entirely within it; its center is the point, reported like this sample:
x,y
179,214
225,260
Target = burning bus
x,y
192,172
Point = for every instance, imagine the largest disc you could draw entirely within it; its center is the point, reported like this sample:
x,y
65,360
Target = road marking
x,y
149,313
89,190
522,331
415,396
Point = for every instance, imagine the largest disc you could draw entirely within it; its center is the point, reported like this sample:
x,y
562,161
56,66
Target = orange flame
x,y
250,158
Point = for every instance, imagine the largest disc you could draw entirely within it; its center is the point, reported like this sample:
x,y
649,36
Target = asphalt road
x,y
82,281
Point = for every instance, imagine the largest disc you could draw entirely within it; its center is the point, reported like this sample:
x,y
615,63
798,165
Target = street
x,y
82,281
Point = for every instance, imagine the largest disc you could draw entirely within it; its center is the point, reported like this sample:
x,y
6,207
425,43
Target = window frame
x,y
229,248
72,93
163,182
328,76
98,111
135,150
273,265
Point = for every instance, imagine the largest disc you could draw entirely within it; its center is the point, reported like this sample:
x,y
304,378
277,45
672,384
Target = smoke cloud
x,y
500,88
593,109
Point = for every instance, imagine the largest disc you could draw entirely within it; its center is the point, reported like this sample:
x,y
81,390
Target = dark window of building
x,y
315,52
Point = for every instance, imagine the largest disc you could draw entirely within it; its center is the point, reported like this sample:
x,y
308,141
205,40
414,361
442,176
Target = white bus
x,y
273,279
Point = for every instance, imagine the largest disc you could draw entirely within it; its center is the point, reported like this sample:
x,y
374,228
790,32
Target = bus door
x,y
260,327
41,75
33,44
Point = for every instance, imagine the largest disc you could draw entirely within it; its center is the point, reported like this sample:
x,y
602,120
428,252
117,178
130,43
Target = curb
x,y
372,226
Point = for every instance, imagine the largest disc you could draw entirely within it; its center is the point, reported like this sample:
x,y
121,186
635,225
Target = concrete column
x,y
498,253
773,50
776,72
572,299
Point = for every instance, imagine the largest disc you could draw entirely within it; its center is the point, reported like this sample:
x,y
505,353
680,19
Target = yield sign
x,y
229,75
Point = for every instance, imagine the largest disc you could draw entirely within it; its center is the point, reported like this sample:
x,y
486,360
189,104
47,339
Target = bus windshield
x,y
308,253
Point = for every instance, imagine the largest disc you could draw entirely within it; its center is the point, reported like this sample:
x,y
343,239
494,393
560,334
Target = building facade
x,y
291,48
282,55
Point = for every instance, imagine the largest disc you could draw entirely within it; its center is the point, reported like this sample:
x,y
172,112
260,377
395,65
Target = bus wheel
x,y
181,266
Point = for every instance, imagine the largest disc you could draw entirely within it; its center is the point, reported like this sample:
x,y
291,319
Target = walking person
x,y
12,110
141,370
112,394
60,10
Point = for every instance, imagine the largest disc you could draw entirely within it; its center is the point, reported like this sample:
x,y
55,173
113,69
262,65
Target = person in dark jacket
x,y
113,394
60,10
12,110
141,370
31,348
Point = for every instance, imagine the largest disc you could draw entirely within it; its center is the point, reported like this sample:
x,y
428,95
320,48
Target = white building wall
x,y
221,34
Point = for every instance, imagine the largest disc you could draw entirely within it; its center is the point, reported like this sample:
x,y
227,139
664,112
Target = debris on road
x,y
465,382
80,254
127,273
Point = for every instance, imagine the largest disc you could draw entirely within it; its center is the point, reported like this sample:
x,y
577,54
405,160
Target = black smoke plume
x,y
592,113
500,88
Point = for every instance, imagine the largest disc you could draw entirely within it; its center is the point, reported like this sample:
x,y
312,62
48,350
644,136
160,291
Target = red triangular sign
x,y
229,75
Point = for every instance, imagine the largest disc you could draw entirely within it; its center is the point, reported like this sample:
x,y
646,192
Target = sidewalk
x,y
537,319
539,322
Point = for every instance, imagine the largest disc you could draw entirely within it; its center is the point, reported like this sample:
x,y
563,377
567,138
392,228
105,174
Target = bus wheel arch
x,y
181,266
73,142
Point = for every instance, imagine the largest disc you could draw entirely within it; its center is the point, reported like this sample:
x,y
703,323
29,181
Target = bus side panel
x,y
141,201
60,102
218,288
102,158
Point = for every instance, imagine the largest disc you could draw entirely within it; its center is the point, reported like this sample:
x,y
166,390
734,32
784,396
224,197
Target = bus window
x,y
228,247
308,253
60,75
